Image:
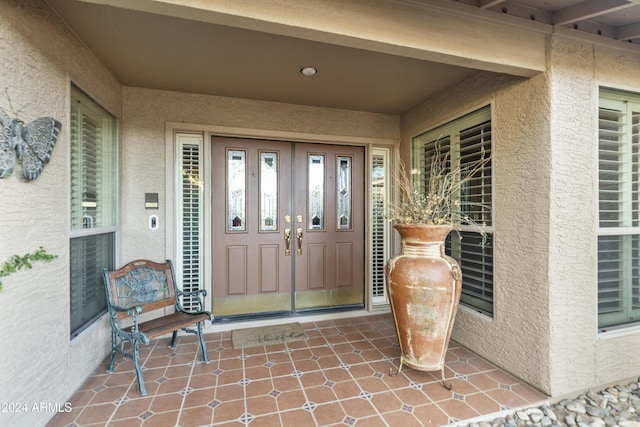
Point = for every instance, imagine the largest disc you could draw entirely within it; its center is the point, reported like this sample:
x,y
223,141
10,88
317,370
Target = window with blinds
x,y
463,142
93,207
618,208
379,225
190,195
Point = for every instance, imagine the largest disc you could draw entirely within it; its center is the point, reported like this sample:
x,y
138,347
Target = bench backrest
x,y
141,282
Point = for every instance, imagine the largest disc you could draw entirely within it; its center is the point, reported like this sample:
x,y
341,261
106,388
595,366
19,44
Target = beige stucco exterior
x,y
544,328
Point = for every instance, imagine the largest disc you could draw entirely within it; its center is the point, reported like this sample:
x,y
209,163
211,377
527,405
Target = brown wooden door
x,y
288,226
329,188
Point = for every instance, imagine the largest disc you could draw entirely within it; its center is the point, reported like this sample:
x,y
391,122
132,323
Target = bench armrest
x,y
192,293
197,295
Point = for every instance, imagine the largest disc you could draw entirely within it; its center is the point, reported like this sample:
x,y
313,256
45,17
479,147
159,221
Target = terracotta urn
x,y
424,288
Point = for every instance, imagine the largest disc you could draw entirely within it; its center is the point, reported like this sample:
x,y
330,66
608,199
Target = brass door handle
x,y
287,242
299,237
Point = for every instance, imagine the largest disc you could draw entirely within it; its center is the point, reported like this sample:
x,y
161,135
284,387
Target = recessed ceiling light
x,y
308,71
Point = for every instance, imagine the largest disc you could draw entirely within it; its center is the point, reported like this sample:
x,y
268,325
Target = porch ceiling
x,y
169,45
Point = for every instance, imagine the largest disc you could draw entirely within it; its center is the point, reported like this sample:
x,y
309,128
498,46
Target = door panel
x,y
286,216
329,195
251,274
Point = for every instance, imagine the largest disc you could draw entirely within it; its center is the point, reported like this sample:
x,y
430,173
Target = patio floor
x,y
339,376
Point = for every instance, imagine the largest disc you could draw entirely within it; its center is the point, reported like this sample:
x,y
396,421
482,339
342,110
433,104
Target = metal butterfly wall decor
x,y
30,143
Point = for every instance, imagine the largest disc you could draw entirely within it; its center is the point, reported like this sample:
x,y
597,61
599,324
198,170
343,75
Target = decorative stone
x,y
593,411
570,420
576,407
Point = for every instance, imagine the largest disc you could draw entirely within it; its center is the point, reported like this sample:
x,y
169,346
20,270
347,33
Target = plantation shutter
x,y
476,256
190,220
618,219
463,142
379,229
93,208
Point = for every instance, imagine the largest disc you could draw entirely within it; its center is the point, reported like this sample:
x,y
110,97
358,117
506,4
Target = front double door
x,y
288,226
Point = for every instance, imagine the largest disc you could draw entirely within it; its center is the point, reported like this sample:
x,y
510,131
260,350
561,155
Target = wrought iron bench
x,y
143,286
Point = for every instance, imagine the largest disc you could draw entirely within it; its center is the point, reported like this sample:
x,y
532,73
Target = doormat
x,y
267,335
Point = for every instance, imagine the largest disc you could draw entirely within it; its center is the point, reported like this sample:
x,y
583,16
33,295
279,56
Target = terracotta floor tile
x,y
286,383
412,396
198,397
430,415
279,369
227,411
346,389
166,402
457,409
345,373
507,398
337,374
109,394
373,384
329,414
402,418
358,407
197,416
169,418
133,408
482,403
289,400
229,392
310,379
386,402
362,370
168,386
529,394
179,371
299,417
271,420
261,405
203,381
483,381
320,394
436,392
128,422
502,377
258,387
230,377
96,413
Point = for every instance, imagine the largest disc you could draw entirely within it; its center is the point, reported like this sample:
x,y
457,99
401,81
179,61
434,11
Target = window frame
x,y
111,228
482,301
627,231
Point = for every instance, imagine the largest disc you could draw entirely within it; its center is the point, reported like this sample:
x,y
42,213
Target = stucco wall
x,y
143,150
39,363
544,328
516,338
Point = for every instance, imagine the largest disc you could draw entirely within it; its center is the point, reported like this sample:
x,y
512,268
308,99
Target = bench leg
x,y
173,339
203,347
114,349
136,363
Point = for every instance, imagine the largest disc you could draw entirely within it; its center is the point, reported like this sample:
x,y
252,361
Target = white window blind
x,y
93,207
379,226
618,212
463,142
190,195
